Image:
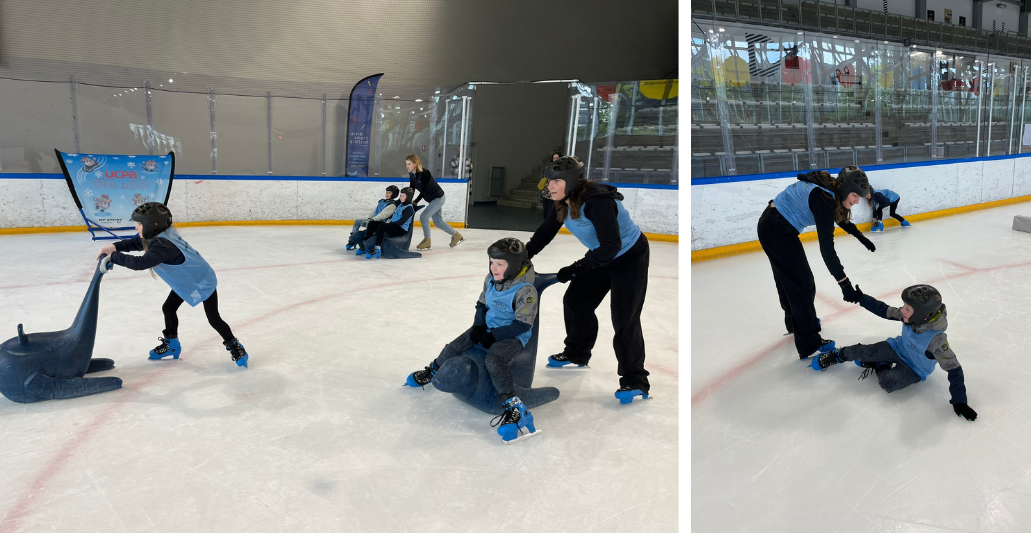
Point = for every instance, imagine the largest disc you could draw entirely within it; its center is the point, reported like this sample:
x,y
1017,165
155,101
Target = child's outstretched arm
x,y
159,251
940,351
132,244
878,307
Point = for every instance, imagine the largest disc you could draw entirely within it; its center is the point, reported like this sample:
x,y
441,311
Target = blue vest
x,y
583,229
499,308
400,211
889,194
193,280
793,204
382,205
911,347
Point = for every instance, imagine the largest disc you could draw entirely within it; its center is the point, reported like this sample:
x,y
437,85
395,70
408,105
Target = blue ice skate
x,y
513,420
905,223
626,395
560,360
826,347
877,226
350,246
237,352
825,360
420,378
168,347
374,253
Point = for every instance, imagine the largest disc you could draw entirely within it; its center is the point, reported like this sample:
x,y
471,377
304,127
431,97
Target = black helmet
x,y
852,179
394,192
154,217
567,168
408,192
511,250
926,302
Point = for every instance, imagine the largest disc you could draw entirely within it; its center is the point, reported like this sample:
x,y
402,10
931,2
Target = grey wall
x,y
516,127
417,43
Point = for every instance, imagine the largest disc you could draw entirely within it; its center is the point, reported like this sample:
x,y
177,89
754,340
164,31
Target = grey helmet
x,y
852,179
926,302
511,250
567,168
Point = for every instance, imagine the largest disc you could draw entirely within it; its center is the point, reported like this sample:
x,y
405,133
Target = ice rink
x,y
320,435
779,447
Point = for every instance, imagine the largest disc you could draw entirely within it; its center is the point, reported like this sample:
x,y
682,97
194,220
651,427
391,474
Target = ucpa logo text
x,y
131,174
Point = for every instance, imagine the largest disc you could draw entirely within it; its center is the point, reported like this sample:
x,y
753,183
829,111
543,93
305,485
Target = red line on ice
x,y
734,372
20,509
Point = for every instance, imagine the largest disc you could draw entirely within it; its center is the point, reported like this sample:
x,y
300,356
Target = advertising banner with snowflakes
x,y
107,188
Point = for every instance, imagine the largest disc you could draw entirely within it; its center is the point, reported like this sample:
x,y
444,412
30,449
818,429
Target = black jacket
x,y
159,251
427,186
599,207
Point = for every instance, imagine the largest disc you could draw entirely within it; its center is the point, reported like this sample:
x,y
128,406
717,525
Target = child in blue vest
x,y
909,358
395,226
879,200
177,263
504,319
384,210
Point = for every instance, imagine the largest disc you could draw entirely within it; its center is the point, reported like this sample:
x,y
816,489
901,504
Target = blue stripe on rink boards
x,y
226,177
791,174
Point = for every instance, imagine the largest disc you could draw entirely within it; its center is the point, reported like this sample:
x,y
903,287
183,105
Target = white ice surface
x,y
319,434
779,447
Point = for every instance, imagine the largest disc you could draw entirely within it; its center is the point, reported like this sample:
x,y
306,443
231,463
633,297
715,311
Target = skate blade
x,y
564,365
523,436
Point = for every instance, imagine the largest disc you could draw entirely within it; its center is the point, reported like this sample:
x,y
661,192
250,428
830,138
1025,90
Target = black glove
x,y
847,292
569,272
859,292
866,242
964,410
529,255
487,340
477,332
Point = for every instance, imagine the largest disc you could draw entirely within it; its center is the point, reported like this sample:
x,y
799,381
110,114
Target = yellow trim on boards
x,y
754,246
658,237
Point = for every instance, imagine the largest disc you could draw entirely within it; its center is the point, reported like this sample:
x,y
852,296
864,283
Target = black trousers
x,y
796,287
891,211
891,377
626,278
388,228
370,229
172,304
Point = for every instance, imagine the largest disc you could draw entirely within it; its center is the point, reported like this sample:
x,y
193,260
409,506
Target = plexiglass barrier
x,y
767,100
625,132
228,134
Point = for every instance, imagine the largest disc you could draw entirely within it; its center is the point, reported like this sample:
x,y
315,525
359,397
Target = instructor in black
x,y
815,199
616,261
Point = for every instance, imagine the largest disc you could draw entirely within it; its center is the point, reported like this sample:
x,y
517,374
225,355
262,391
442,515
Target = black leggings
x,y
891,211
172,304
389,228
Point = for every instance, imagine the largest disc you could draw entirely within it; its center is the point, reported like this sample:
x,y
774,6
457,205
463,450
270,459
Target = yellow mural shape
x,y
888,79
734,71
655,89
